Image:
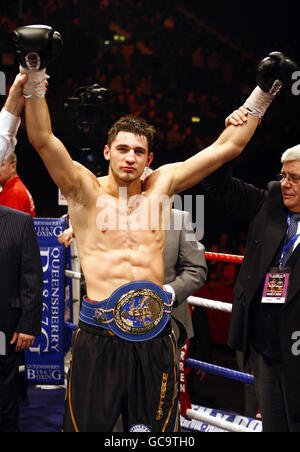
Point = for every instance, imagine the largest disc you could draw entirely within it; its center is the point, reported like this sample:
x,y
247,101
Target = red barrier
x,y
185,401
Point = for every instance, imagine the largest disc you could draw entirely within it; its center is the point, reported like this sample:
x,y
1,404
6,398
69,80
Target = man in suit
x,y
265,322
21,282
185,271
13,194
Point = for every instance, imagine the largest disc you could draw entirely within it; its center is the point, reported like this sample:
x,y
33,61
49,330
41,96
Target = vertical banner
x,y
44,361
184,397
68,301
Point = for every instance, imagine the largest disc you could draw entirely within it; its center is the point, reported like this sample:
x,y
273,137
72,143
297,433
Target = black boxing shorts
x,y
110,375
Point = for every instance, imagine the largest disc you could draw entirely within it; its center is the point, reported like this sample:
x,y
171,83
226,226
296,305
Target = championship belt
x,y
137,311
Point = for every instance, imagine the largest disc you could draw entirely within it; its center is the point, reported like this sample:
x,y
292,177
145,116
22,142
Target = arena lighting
x,y
120,38
112,39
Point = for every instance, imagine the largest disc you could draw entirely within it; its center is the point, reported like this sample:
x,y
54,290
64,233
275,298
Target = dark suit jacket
x,y
185,269
21,275
267,215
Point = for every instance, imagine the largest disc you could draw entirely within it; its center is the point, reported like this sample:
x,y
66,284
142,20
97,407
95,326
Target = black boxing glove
x,y
37,46
276,67
273,72
39,40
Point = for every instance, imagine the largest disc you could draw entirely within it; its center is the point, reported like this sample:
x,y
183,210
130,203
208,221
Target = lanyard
x,y
288,245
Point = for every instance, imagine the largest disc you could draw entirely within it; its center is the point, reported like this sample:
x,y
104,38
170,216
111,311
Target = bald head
x,y
8,170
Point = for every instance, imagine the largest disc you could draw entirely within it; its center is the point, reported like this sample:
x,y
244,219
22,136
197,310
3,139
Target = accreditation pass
x,y
276,287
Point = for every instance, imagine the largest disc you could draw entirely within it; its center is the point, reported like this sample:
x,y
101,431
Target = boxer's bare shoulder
x,y
88,189
160,181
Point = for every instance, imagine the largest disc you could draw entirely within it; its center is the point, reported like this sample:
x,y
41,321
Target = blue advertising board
x,y
44,361
68,302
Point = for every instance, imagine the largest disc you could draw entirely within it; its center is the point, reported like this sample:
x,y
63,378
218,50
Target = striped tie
x,y
292,231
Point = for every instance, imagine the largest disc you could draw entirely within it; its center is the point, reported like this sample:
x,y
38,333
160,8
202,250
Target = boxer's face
x,y
290,186
128,155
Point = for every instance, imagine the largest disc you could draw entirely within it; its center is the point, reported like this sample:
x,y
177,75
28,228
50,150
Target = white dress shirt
x,y
9,125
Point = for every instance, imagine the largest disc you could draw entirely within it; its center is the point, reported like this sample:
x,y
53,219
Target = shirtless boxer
x,y
112,370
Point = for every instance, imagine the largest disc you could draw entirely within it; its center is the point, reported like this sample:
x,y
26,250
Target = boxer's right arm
x,y
37,46
59,163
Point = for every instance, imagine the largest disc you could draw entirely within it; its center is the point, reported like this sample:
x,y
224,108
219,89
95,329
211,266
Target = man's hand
x,y
15,101
22,341
66,237
237,118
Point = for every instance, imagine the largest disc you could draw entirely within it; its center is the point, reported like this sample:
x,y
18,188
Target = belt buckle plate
x,y
139,312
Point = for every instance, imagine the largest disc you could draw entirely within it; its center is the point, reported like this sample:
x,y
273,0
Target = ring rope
x,y
213,369
71,274
217,422
220,371
208,255
218,305
71,326
224,257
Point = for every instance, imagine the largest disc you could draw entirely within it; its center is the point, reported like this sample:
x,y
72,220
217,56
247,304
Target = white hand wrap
x,y
259,101
35,87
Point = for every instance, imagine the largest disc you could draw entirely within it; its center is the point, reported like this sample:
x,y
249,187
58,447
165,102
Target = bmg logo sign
x,y
2,344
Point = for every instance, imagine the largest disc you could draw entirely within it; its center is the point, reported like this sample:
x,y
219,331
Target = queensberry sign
x,y
44,361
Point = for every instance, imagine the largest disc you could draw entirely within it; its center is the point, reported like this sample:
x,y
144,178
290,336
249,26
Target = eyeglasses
x,y
292,178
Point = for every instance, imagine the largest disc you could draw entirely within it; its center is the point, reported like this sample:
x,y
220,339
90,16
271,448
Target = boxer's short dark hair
x,y
133,124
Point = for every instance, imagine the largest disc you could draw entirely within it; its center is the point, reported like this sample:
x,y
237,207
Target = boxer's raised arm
x,y
273,72
228,146
58,161
37,46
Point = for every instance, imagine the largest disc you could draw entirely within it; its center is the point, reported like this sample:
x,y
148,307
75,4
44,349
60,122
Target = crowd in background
x,y
159,60
164,61
169,69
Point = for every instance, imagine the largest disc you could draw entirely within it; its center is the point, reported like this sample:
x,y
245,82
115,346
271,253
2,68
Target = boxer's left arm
x,y
274,73
228,146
